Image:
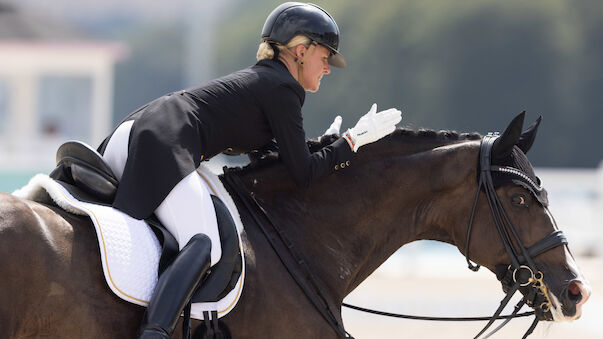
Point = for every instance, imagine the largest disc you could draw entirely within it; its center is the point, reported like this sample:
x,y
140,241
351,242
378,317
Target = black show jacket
x,y
237,113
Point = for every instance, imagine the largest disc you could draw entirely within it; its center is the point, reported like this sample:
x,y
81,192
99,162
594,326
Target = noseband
x,y
522,271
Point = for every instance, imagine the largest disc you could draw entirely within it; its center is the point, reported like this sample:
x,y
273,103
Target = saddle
x,y
82,171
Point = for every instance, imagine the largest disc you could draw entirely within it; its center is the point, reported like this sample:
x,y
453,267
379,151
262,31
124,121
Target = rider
x,y
155,151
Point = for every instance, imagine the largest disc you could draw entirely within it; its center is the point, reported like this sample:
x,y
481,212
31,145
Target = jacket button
x,y
342,165
347,163
336,167
229,149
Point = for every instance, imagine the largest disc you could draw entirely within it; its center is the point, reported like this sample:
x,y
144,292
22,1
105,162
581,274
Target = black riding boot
x,y
175,287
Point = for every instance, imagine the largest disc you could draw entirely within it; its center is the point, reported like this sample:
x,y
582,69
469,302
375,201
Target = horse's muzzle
x,y
573,297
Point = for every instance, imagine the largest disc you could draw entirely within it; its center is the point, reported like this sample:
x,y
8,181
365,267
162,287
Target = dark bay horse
x,y
408,186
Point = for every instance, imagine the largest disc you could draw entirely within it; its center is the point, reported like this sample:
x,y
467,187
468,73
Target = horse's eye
x,y
519,200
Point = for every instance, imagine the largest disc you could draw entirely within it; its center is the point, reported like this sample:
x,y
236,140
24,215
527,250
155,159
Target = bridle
x,y
522,271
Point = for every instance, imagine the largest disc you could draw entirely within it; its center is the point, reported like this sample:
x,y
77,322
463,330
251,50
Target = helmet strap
x,y
300,61
275,50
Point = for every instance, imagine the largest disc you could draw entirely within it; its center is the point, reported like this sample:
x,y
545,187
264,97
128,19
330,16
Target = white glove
x,y
335,126
372,127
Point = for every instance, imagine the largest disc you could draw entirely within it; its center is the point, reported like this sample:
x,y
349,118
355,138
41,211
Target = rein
x,y
515,277
290,258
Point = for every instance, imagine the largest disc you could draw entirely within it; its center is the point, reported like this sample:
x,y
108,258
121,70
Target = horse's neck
x,y
347,225
423,196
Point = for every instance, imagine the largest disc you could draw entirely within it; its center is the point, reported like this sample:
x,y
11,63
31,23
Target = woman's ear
x,y
300,50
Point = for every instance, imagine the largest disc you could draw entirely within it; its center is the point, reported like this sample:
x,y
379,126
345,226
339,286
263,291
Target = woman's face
x,y
316,64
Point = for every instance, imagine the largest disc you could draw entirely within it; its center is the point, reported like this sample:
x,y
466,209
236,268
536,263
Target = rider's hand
x,y
372,127
335,126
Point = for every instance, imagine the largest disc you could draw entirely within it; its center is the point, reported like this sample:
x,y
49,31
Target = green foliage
x,y
465,65
468,65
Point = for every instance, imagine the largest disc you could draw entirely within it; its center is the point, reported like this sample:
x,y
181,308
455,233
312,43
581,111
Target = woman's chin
x,y
314,88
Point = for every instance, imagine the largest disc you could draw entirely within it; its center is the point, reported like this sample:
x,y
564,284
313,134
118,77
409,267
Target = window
x,y
4,105
65,106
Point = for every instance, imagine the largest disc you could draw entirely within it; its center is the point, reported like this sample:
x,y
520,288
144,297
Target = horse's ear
x,y
504,144
527,137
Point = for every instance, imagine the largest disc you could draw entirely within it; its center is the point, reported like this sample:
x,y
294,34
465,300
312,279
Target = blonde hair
x,y
265,51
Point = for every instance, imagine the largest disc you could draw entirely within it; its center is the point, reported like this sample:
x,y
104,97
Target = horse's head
x,y
516,217
416,185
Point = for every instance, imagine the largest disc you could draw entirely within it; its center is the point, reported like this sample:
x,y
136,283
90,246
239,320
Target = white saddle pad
x,y
129,249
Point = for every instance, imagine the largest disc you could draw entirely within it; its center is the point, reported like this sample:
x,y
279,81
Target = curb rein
x,y
512,280
293,261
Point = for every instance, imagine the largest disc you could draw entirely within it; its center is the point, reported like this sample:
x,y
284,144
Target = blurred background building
x,y
56,83
73,69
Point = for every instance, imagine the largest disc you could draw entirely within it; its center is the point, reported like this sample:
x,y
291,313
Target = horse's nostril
x,y
573,292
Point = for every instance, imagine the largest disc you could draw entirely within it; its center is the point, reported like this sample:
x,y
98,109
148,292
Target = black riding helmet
x,y
295,18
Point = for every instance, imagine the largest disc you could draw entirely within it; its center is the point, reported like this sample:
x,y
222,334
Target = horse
x,y
411,185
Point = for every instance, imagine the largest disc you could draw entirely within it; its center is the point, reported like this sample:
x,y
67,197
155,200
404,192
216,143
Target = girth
x,y
522,271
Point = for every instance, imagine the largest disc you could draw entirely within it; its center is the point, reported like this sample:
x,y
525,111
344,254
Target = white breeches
x,y
187,210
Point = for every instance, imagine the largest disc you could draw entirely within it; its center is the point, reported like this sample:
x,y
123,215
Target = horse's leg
x,y
52,277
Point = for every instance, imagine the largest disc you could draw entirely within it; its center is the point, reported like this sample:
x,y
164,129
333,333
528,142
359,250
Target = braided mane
x,y
269,155
404,133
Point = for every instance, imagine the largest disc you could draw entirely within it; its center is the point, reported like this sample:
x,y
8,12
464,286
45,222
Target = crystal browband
x,y
515,171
